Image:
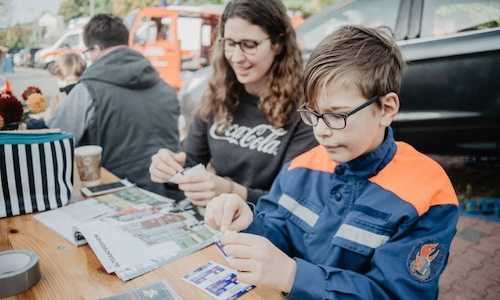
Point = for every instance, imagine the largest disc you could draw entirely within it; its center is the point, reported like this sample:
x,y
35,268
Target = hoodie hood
x,y
123,67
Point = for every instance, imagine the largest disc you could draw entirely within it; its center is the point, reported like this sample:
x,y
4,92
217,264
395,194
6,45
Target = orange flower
x,y
36,103
2,122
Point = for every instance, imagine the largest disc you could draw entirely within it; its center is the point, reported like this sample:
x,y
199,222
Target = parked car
x,y
33,52
70,41
14,50
23,58
449,100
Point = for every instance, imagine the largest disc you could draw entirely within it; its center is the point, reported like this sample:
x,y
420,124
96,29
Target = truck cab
x,y
175,38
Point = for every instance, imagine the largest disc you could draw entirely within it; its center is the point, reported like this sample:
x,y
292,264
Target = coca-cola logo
x,y
263,138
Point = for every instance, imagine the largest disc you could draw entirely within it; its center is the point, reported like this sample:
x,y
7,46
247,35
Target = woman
x,y
246,126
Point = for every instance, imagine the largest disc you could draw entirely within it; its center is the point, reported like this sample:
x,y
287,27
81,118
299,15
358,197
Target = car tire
x,y
51,67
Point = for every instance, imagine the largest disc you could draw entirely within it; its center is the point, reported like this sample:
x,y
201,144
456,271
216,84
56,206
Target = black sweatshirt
x,y
251,151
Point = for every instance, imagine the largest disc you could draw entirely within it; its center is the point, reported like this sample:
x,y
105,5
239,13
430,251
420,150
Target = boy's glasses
x,y
247,46
331,120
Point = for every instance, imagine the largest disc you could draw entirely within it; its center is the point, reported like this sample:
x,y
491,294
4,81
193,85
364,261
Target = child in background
x,y
69,67
360,216
68,70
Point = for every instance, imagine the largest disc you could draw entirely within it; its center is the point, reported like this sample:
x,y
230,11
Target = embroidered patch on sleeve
x,y
426,261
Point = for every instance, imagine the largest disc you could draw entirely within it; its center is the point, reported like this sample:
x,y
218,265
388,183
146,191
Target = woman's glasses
x,y
247,46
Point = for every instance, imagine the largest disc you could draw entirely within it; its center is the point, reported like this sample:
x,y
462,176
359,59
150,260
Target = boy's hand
x,y
258,261
228,212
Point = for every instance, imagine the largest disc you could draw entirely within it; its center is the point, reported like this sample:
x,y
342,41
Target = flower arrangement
x,y
14,112
30,90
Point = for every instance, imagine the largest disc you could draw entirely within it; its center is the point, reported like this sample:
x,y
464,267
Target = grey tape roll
x,y
19,271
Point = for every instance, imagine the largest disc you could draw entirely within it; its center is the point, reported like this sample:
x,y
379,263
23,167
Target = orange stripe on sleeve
x,y
416,179
315,159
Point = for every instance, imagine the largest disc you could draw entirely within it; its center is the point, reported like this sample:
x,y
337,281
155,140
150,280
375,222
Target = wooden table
x,y
70,272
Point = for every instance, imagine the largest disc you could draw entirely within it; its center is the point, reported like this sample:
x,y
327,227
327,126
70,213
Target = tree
x,y
76,8
197,2
16,36
103,6
123,7
70,9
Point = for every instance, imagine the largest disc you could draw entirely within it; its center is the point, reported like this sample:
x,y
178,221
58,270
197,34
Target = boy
x,y
360,216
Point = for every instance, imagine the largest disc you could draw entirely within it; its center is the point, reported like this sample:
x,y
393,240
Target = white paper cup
x,y
88,163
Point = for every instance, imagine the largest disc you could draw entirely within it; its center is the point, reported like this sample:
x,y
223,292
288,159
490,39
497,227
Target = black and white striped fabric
x,y
35,177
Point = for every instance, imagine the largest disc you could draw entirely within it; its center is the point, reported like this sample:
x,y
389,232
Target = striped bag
x,y
36,171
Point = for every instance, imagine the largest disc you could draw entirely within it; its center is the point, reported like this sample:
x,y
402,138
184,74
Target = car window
x,y
366,12
447,17
71,41
189,31
152,29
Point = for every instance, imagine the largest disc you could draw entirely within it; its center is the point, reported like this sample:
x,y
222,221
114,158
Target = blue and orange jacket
x,y
377,227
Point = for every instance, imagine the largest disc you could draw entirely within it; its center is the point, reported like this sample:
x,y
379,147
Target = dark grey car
x,y
450,101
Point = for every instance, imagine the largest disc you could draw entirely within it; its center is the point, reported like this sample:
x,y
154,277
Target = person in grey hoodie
x,y
121,104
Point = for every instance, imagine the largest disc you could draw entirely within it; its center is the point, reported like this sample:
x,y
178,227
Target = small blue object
x,y
221,248
486,208
7,137
8,64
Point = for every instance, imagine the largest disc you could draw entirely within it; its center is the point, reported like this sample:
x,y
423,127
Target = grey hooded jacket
x,y
122,104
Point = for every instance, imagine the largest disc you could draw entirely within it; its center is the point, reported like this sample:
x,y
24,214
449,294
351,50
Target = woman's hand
x,y
165,164
204,186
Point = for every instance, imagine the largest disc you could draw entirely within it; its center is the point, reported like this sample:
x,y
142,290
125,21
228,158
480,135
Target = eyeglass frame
x,y
258,42
87,50
345,115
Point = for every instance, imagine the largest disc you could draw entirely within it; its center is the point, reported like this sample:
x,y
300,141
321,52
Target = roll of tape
x,y
19,270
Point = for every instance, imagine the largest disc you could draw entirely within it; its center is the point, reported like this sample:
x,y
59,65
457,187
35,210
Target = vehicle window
x,y
366,12
206,35
71,41
448,17
189,31
153,29
163,27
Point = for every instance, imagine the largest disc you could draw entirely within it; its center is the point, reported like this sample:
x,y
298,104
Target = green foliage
x,y
70,9
103,6
197,2
123,7
16,37
76,8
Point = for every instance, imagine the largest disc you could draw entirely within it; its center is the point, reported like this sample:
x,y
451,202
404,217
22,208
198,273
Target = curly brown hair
x,y
284,91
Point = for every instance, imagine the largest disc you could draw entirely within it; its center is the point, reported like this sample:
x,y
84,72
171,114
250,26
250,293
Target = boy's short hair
x,y
366,57
105,31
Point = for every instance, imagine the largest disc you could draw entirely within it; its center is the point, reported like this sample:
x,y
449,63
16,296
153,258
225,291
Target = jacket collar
x,y
371,163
